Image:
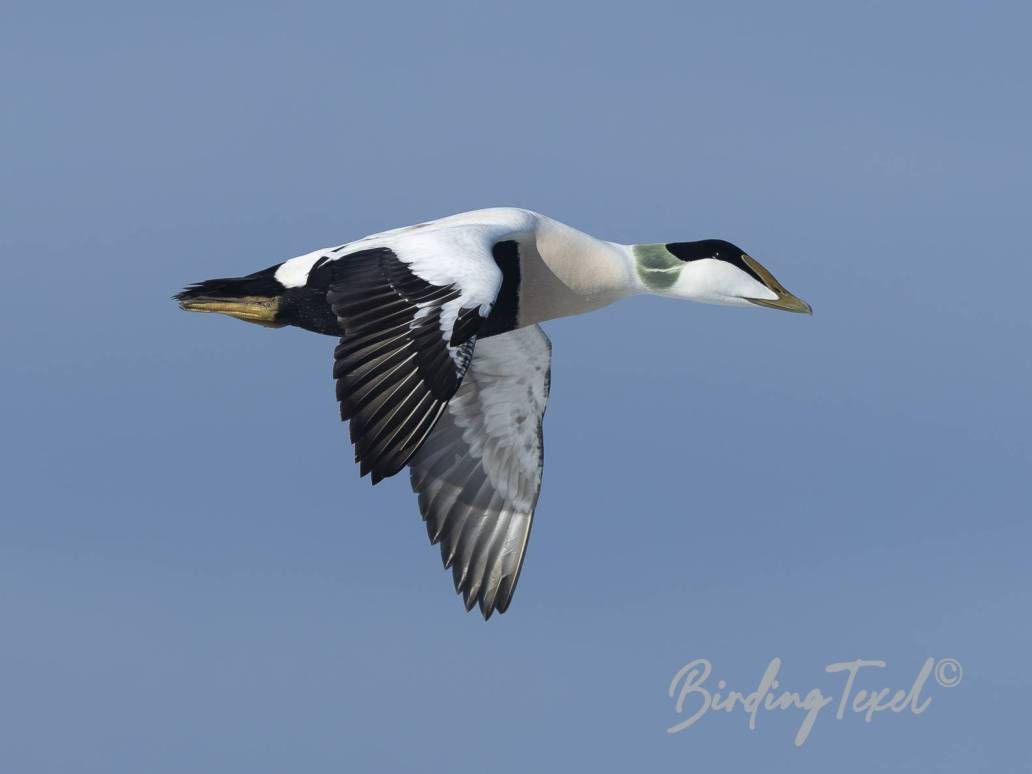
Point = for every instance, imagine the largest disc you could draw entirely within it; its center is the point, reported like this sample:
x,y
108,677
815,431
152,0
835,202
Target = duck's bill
x,y
785,300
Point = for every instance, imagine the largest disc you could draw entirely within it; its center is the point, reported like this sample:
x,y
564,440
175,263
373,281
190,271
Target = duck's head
x,y
712,271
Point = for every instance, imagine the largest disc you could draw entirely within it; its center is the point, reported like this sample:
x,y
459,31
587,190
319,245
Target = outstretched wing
x,y
407,341
478,474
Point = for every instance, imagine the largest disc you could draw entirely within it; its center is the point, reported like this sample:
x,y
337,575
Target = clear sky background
x,y
194,578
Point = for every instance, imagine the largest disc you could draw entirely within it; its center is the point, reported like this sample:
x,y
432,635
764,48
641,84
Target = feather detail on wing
x,y
405,346
478,473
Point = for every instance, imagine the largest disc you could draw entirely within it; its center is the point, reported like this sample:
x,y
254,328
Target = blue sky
x,y
192,575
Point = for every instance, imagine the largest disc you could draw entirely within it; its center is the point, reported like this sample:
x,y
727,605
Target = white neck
x,y
567,272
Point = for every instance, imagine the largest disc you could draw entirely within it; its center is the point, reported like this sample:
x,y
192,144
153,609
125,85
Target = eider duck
x,y
442,366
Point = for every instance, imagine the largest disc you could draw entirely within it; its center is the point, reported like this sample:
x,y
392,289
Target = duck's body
x,y
441,365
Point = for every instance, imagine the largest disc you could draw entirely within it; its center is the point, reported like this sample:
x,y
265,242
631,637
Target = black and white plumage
x,y
396,366
441,365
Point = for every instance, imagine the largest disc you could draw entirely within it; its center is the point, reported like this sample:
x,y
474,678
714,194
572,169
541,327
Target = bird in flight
x,y
441,365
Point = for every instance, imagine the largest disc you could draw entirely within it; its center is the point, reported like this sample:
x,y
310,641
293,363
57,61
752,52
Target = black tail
x,y
255,298
261,298
261,284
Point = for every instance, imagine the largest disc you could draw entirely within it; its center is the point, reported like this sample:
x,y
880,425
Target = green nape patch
x,y
657,267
